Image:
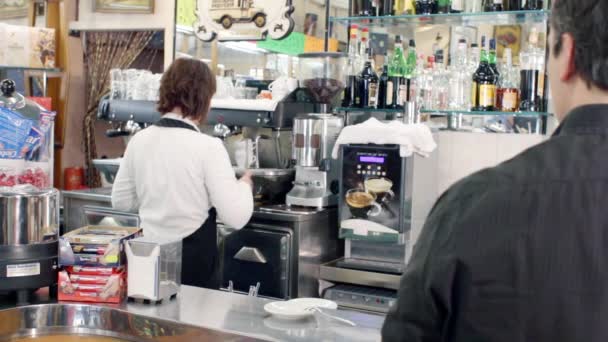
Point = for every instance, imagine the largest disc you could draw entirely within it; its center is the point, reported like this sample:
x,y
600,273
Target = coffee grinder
x,y
315,134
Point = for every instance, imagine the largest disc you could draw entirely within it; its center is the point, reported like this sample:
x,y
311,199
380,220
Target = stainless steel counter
x,y
243,315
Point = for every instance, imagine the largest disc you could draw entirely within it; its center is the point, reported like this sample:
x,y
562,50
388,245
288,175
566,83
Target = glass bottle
x,y
350,92
493,5
426,6
425,86
473,6
385,89
368,83
483,95
507,97
440,83
444,6
365,8
397,66
460,80
473,61
492,59
458,6
406,88
387,7
532,62
532,4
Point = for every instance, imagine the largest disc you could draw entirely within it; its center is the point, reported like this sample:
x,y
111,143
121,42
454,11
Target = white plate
x,y
297,308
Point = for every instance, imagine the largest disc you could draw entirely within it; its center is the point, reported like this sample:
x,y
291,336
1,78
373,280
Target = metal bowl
x,y
93,321
270,186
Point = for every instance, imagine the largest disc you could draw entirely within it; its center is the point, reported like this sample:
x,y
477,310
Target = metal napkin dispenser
x,y
155,268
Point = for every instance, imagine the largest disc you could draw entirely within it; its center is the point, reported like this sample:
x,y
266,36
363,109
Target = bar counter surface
x,y
242,315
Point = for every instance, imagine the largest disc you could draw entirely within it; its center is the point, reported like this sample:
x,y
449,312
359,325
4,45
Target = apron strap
x,y
172,123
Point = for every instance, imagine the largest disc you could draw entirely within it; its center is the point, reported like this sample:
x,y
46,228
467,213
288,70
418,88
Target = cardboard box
x,y
110,289
98,246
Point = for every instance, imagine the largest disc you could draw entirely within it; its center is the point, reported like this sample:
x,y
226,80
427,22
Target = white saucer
x,y
298,308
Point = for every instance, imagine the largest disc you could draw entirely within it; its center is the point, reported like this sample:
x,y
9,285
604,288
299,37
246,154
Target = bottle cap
x,y
492,44
412,43
462,41
398,39
474,45
483,41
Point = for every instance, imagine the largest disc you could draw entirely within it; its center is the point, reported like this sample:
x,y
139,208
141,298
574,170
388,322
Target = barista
x,y
180,180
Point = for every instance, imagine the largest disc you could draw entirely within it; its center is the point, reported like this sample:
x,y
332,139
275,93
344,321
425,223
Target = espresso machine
x,y
315,134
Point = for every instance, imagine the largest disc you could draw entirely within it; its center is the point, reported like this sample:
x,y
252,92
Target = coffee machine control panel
x,y
371,166
372,191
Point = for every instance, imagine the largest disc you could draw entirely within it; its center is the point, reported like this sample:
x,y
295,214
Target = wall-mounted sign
x,y
243,19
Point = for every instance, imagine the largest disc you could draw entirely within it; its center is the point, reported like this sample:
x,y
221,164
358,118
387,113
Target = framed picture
x,y
508,36
123,6
14,8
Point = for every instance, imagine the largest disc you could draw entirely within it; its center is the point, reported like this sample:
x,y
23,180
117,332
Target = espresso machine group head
x,y
315,134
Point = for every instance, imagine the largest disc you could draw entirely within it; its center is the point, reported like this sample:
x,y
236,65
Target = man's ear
x,y
566,58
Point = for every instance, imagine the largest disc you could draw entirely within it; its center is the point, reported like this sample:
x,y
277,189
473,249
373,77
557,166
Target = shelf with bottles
x,y
463,18
437,112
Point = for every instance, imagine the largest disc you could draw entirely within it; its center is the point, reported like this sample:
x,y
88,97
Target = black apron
x,y
199,251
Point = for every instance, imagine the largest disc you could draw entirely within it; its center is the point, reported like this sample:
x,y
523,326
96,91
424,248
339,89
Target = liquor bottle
x,y
440,82
375,5
483,95
473,61
425,86
493,5
350,92
532,66
387,7
426,6
492,59
444,6
396,67
385,89
406,88
365,8
513,5
460,80
532,4
368,83
473,6
507,97
457,6
363,46
404,7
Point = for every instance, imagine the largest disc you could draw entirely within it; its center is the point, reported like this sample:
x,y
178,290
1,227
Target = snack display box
x,y
100,246
97,289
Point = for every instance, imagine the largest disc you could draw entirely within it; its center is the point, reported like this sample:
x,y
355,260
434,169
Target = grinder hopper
x,y
323,74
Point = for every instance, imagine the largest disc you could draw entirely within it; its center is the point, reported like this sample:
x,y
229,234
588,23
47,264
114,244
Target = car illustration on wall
x,y
243,19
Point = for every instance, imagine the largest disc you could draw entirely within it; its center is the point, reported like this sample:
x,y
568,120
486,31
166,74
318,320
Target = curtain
x,y
105,51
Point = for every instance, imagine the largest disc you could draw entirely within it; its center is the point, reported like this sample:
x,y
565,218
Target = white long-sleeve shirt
x,y
173,176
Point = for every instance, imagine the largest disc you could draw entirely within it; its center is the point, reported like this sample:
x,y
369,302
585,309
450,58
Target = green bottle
x,y
396,67
409,71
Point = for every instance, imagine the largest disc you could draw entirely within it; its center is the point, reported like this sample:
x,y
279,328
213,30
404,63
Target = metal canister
x,y
29,217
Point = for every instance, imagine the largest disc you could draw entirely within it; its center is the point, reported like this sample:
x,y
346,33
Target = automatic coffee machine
x,y
375,221
314,135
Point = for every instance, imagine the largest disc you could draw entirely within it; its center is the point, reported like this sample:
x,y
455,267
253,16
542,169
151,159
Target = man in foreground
x,y
519,252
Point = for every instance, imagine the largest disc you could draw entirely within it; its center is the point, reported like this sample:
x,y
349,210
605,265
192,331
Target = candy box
x,y
100,246
94,271
96,289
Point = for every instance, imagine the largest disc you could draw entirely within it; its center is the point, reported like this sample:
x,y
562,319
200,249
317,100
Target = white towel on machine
x,y
416,138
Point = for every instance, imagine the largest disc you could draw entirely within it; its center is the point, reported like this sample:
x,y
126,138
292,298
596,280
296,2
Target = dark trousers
x,y
200,256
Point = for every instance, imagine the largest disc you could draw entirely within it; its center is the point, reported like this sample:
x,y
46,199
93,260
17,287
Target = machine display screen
x,y
371,159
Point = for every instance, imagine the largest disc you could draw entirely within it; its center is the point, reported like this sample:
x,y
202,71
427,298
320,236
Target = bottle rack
x,y
493,18
397,24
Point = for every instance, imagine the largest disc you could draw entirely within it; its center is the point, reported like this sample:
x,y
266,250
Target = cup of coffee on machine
x,y
362,203
381,188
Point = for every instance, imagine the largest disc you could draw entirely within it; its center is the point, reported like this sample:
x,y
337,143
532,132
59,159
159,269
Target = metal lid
x,y
322,55
11,99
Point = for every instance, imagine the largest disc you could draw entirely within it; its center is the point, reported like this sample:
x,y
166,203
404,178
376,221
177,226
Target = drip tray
x,y
285,209
371,265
